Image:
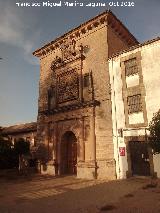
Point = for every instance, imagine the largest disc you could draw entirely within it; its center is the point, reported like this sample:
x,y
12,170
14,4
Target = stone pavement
x,y
46,194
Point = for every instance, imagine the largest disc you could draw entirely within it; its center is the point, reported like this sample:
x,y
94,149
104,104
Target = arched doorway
x,y
68,153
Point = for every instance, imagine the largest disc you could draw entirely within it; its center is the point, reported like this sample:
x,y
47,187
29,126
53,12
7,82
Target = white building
x,y
135,89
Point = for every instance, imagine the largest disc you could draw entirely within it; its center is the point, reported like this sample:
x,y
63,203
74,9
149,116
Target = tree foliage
x,y
154,128
8,158
9,153
42,153
22,147
5,145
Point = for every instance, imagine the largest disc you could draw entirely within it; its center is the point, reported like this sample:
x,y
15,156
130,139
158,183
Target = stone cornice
x,y
107,17
65,62
66,108
119,29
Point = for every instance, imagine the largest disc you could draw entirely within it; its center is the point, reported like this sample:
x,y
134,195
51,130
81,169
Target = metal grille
x,y
131,67
134,103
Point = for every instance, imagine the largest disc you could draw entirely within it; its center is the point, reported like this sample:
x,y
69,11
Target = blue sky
x,y
25,29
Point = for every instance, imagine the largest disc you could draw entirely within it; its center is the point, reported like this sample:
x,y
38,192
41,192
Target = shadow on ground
x,y
45,194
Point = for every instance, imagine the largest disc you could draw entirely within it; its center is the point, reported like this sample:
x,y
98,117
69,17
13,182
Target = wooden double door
x,y
139,155
69,153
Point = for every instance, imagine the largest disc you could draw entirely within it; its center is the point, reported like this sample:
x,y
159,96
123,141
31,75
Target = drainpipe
x,y
92,129
115,119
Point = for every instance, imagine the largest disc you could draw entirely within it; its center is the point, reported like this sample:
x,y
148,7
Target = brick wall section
x,y
115,43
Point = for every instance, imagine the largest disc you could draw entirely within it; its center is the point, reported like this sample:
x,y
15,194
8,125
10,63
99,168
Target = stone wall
x,y
89,116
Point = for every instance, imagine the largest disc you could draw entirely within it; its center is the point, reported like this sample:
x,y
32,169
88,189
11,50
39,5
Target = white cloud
x,y
15,30
10,28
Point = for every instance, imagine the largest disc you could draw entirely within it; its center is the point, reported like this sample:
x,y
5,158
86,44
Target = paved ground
x,y
70,195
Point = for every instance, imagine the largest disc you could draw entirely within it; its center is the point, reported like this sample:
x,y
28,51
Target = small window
x,y
86,80
51,98
131,67
134,104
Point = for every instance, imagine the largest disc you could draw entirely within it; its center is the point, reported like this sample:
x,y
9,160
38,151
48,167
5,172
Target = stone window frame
x,y
135,90
140,139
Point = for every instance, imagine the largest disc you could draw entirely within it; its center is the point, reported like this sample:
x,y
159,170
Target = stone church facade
x,y
75,108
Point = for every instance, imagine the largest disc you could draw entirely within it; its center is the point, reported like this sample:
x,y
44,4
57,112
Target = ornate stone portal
x,y
74,119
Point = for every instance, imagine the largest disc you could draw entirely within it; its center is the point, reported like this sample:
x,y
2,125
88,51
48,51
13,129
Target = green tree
x,y
42,153
154,128
21,147
7,157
